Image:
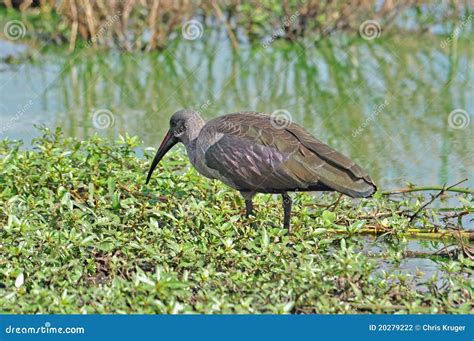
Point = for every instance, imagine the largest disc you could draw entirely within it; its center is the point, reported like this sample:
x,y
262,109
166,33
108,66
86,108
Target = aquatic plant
x,y
80,232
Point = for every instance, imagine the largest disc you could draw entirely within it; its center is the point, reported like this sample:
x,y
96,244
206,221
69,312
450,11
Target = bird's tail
x,y
360,188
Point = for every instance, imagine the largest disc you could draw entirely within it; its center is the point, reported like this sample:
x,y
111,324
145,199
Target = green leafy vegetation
x,y
141,25
80,232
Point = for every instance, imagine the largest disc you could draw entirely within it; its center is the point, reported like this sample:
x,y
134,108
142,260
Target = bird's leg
x,y
286,211
248,203
248,208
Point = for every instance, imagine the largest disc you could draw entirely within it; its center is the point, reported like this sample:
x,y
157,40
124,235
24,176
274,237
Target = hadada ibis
x,y
250,153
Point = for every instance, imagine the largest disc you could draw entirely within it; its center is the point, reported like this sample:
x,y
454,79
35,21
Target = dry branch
x,y
444,189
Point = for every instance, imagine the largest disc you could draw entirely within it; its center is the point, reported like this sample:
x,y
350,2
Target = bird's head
x,y
185,126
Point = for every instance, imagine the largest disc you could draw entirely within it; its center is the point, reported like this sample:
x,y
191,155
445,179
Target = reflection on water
x,y
386,104
415,264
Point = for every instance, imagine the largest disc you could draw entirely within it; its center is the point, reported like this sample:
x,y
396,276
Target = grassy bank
x,y
80,232
150,25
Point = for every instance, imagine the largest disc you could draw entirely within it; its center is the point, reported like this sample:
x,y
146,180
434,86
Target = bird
x,y
255,152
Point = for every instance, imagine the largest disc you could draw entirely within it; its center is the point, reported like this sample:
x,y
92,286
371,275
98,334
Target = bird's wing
x,y
254,166
328,154
255,153
339,172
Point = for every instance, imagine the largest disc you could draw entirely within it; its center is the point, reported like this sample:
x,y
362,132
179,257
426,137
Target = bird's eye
x,y
181,129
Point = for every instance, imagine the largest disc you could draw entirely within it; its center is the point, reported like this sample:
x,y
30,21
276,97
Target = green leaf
x,y
265,238
328,217
320,231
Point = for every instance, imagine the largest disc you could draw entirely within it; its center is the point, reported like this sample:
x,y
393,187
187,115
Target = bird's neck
x,y
191,138
193,127
191,150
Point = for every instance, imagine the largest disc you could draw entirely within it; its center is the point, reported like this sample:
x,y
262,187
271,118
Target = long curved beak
x,y
168,142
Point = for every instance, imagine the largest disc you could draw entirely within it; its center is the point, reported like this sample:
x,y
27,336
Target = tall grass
x,y
152,24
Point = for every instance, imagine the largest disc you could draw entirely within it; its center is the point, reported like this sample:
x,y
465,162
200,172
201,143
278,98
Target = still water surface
x,y
386,104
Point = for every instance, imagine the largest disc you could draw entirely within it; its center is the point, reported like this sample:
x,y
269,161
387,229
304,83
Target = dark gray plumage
x,y
253,153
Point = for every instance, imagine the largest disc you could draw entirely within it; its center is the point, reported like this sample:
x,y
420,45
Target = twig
x,y
75,25
90,21
429,188
25,5
468,251
146,195
443,253
383,214
444,189
152,25
376,307
446,250
410,233
454,209
457,214
228,28
336,203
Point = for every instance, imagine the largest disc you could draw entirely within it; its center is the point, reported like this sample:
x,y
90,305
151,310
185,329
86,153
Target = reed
x,y
153,24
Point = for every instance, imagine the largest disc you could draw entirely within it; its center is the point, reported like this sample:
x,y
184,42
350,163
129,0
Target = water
x,y
385,104
416,264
